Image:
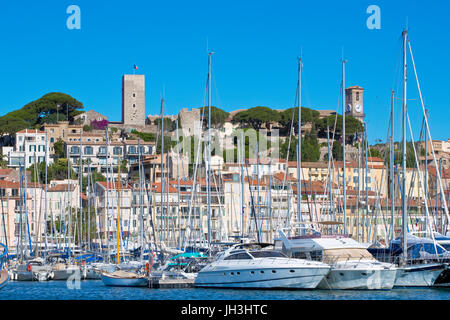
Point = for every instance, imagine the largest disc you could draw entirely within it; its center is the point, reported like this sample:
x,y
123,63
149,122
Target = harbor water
x,y
96,290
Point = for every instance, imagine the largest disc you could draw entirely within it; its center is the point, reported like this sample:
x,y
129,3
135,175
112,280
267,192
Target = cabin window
x,y
267,254
239,256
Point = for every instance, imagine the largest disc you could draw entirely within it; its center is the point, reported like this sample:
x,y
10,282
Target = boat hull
x,y
124,282
257,278
4,278
23,276
361,279
91,274
64,274
423,275
443,280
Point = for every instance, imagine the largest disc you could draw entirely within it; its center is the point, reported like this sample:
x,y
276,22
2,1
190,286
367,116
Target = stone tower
x,y
354,100
133,99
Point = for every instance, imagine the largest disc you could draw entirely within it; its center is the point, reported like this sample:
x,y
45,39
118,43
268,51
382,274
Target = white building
x,y
29,149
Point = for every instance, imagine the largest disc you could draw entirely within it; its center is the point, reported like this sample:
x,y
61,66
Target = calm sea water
x,y
96,290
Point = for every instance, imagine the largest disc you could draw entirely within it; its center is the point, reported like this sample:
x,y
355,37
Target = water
x,y
96,290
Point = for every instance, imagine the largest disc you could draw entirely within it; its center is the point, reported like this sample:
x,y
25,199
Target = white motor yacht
x,y
241,266
352,266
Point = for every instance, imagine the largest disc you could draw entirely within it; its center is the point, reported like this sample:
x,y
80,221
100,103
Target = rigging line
x,y
421,182
438,174
189,231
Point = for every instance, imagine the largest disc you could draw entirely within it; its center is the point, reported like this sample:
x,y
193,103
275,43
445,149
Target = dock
x,y
170,283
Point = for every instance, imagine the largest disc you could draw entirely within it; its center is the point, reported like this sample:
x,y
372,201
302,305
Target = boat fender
x,y
148,267
29,267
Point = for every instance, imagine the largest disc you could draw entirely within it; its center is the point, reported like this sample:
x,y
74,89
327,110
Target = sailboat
x,y
351,265
412,274
122,278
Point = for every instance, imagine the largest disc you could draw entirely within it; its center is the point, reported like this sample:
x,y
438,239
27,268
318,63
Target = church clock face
x,y
358,108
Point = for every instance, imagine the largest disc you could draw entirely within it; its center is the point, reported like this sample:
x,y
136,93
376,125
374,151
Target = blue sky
x,y
256,45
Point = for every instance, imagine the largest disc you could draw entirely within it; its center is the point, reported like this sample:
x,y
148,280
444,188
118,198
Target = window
x,y
117,150
266,254
102,150
134,105
239,256
52,140
74,150
88,150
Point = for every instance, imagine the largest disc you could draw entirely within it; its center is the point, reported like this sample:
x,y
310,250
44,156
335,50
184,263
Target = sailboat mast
x,y
118,212
208,188
299,142
391,166
343,145
404,216
162,172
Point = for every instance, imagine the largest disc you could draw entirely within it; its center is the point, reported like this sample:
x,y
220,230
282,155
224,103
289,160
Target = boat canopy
x,y
346,254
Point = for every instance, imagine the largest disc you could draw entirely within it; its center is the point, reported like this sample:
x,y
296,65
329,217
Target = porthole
x,y
232,273
364,273
262,271
341,273
252,272
291,270
274,271
238,273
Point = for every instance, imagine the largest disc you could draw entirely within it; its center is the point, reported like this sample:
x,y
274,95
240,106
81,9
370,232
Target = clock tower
x,y
354,100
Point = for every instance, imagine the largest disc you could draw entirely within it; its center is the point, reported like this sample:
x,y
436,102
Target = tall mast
x,y
45,213
162,171
299,142
108,179
119,181
208,188
404,216
343,144
426,169
141,201
391,165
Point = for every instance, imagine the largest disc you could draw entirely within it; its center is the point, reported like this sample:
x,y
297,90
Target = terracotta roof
x,y
9,184
30,131
61,188
113,185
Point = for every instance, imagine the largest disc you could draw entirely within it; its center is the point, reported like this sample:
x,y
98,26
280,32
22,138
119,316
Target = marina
x,y
255,203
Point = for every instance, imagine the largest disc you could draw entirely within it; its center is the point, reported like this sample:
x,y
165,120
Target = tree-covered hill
x,y
40,111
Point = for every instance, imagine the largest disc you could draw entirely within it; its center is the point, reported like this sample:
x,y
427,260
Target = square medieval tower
x,y
133,99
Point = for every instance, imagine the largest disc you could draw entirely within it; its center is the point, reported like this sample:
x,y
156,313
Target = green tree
x,y
256,117
168,123
146,136
218,117
308,115
352,126
87,128
40,111
55,171
60,150
337,151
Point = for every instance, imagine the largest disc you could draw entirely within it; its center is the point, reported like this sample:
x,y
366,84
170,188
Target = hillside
x,y
40,111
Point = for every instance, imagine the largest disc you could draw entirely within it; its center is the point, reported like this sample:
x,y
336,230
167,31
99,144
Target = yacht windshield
x,y
345,254
238,256
267,254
